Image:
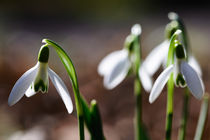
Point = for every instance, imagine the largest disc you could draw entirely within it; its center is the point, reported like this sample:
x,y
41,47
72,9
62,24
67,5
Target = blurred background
x,y
88,31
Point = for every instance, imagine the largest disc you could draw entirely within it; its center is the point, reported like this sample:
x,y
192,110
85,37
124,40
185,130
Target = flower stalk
x,y
170,88
73,77
135,49
183,125
169,112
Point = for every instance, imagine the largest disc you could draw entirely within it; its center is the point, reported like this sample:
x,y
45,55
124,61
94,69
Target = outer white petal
x,y
193,80
30,92
194,63
145,78
22,85
62,90
160,83
156,57
110,61
118,71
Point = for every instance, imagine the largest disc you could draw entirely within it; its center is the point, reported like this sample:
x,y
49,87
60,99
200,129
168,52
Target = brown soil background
x,y
87,44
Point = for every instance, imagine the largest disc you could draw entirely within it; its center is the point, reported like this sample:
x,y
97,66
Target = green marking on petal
x,y
40,86
180,80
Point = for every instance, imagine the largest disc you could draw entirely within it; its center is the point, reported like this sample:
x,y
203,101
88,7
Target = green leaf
x,y
202,117
93,120
96,124
86,113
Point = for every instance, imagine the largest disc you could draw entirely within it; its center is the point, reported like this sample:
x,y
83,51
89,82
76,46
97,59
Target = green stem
x,y
81,127
182,129
65,59
202,118
138,109
169,112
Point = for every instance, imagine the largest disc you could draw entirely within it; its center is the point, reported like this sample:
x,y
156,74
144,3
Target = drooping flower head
x,y
36,79
184,74
116,65
158,56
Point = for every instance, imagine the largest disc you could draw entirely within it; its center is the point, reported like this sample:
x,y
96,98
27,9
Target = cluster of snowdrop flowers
x,y
116,65
184,75
36,79
158,56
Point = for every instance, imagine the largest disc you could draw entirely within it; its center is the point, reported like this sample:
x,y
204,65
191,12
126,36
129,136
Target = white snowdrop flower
x,y
36,79
184,75
158,56
116,65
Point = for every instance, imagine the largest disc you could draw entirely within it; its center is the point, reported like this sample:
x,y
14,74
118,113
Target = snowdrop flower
x,y
36,79
116,65
184,75
158,56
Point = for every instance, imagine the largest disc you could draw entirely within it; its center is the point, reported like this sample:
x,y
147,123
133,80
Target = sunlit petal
x,y
145,78
110,61
22,85
193,80
156,57
194,63
62,90
117,72
30,92
160,83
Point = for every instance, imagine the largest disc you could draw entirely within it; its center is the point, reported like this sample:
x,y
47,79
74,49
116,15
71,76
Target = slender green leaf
x,y
202,117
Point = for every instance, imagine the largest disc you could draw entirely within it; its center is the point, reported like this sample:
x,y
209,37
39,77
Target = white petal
x,y
117,72
30,92
22,85
156,57
160,83
193,80
110,61
145,78
194,63
62,90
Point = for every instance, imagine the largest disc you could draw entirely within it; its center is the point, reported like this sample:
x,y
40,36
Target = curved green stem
x,y
182,129
73,77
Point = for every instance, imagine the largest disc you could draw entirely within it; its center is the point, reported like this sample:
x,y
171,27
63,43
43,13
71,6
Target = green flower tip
x,y
173,16
43,54
180,53
40,86
180,81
